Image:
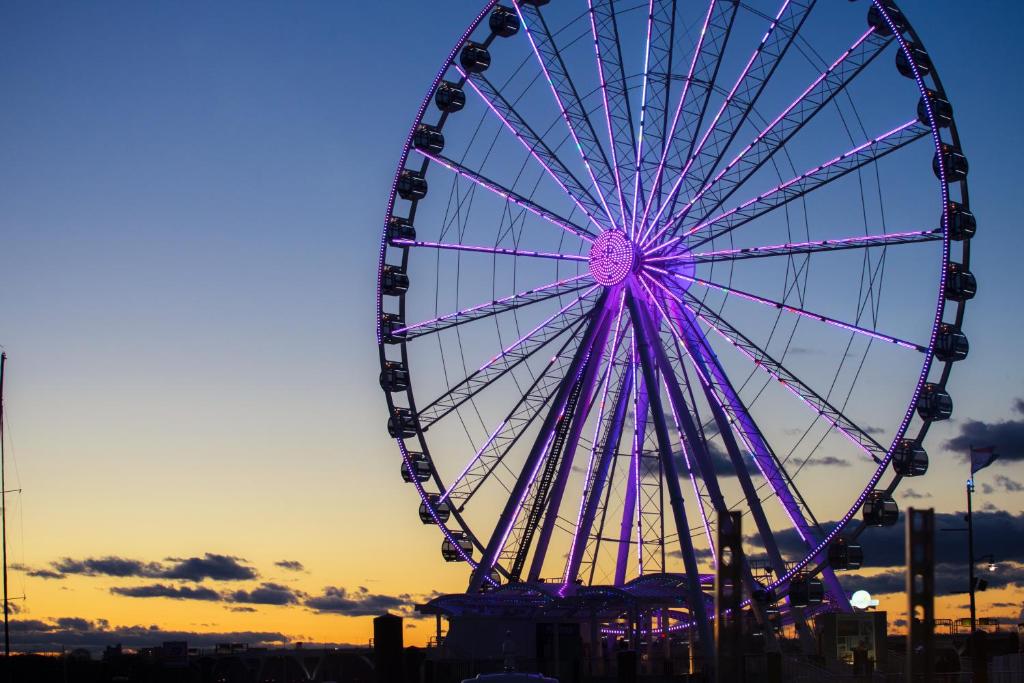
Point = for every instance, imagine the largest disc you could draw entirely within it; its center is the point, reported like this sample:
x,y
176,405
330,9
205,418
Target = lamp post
x,y
970,552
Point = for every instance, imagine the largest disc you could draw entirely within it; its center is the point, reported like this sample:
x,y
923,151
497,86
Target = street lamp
x,y
992,566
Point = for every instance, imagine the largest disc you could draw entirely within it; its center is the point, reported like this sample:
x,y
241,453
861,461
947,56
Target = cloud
x,y
827,461
911,493
950,579
159,590
290,565
107,566
884,546
34,635
266,594
1009,484
210,566
1006,435
359,603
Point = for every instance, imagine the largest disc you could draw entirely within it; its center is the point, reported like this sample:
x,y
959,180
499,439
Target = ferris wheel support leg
x,y
630,502
702,457
763,456
699,354
612,438
698,609
554,500
599,315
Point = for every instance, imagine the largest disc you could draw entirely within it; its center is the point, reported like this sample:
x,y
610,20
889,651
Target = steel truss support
x,y
563,450
599,315
647,346
594,488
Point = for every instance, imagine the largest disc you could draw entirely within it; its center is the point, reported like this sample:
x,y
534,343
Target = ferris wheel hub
x,y
613,257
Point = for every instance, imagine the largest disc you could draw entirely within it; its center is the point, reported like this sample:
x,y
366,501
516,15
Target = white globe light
x,y
862,600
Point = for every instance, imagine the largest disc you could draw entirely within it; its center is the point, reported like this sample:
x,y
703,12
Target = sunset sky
x,y
189,224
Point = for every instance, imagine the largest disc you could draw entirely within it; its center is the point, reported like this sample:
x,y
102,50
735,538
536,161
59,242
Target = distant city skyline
x,y
188,237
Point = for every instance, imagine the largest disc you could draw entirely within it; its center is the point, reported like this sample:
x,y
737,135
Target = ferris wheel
x,y
647,261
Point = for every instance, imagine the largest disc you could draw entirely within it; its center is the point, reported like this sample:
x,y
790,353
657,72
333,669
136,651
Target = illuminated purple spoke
x,y
797,248
618,114
632,498
654,97
849,327
760,358
794,188
496,307
532,465
536,146
509,196
567,98
703,71
739,102
500,251
792,119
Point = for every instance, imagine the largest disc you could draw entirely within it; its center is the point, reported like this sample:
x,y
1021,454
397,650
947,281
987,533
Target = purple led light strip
x,y
382,253
532,149
793,309
564,112
643,118
714,124
491,250
478,307
507,195
863,241
769,128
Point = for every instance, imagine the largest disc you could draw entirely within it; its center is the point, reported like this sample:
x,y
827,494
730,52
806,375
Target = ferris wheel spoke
x,y
782,306
615,94
569,103
495,251
693,100
781,130
509,358
647,345
655,93
798,248
866,153
496,307
536,146
738,103
761,359
505,436
509,195
555,426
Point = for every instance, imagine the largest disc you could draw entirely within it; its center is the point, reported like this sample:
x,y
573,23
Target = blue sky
x,y
191,209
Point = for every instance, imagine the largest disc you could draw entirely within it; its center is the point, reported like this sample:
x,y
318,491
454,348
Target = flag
x,y
982,458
